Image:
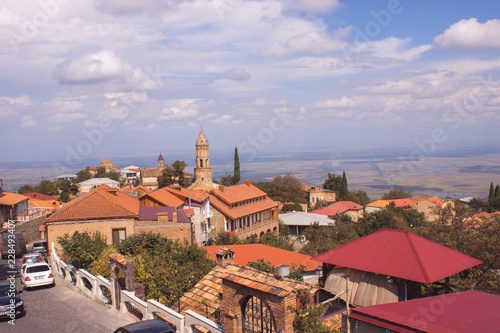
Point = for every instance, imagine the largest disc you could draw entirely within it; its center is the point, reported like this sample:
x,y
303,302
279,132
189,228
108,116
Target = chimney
x,y
221,188
224,257
162,217
283,271
247,182
174,216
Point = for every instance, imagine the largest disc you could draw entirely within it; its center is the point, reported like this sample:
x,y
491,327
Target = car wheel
x,y
53,284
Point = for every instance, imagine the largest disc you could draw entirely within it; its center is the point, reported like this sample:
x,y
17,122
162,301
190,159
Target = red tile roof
x,y
35,195
103,202
243,254
338,208
400,254
243,210
185,193
468,311
237,193
164,197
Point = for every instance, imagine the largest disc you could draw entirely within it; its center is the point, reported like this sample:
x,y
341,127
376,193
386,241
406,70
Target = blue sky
x,y
110,78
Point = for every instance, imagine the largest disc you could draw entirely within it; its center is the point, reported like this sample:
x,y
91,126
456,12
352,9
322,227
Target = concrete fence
x,y
102,290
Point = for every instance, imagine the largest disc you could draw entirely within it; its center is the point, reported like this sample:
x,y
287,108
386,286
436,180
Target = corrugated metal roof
x,y
400,254
468,311
305,219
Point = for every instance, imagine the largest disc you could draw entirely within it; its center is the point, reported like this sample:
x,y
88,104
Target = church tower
x,y
161,162
203,170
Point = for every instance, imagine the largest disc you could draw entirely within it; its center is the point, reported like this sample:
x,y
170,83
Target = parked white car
x,y
36,274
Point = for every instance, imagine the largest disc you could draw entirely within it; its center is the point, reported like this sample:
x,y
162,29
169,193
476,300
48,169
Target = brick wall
x,y
235,297
171,230
58,229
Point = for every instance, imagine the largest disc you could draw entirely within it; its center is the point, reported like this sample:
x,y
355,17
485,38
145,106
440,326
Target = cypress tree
x,y
236,174
492,192
497,191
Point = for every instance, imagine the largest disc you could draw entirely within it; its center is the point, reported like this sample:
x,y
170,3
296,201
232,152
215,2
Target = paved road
x,y
61,309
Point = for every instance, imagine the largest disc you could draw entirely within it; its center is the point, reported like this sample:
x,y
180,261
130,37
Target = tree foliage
x,y
82,248
397,193
478,239
392,217
236,174
323,238
83,175
337,184
25,189
160,261
47,187
287,188
359,197
172,174
307,316
291,207
226,180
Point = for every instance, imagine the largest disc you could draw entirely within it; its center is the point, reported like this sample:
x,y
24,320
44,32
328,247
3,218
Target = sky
x,y
103,78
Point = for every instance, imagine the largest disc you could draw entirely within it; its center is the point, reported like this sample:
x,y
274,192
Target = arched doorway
x,y
257,317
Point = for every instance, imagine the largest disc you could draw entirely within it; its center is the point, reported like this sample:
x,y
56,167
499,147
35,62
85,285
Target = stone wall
x,y
171,230
29,229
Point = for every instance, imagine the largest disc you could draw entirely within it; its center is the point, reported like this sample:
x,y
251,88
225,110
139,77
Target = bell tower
x,y
161,162
203,170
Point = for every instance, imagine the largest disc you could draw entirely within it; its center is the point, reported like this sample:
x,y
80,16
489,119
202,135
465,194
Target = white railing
x,y
128,301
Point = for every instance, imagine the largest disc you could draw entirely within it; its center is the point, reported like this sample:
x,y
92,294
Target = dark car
x,y
146,326
10,300
41,244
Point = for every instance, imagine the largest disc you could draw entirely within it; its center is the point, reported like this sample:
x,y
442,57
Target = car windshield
x,y
39,245
32,259
37,269
4,291
36,251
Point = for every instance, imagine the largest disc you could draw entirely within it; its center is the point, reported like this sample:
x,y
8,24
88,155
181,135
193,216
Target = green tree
x,y
291,207
236,174
82,248
83,175
280,241
227,180
497,191
307,316
47,187
359,197
287,188
397,193
492,192
337,184
263,266
172,174
226,238
160,261
25,189
323,238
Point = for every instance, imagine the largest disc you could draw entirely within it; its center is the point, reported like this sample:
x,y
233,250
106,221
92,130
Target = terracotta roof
x,y
11,199
433,199
253,252
35,195
243,210
202,188
337,208
150,213
103,202
185,193
398,202
468,311
164,197
150,172
237,193
45,203
205,296
400,254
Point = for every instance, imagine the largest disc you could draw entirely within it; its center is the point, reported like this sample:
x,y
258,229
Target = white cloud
x,y
309,43
180,109
92,68
470,34
392,48
27,122
9,105
236,74
343,102
317,6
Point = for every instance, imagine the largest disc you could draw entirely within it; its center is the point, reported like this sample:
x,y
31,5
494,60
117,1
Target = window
x,y
118,235
331,197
